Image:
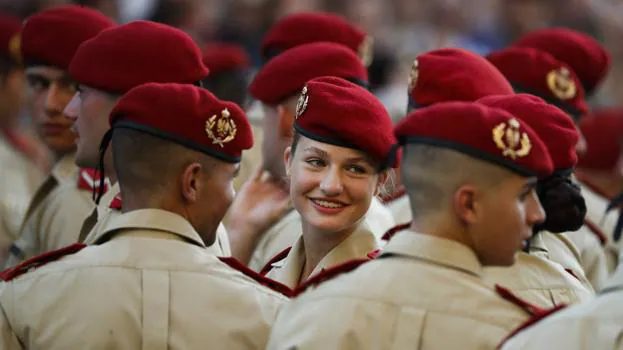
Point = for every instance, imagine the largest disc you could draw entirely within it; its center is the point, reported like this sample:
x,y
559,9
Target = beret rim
x,y
470,151
575,113
126,124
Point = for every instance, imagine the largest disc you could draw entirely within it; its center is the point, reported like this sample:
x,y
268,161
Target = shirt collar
x,y
151,219
436,250
65,168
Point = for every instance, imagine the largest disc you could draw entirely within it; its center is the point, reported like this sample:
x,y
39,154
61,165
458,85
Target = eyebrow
x,y
348,160
316,150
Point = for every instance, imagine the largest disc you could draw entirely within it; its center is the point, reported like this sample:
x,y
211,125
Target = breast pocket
x,y
409,326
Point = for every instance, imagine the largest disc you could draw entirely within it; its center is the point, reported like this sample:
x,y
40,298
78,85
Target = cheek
x,y
302,180
360,192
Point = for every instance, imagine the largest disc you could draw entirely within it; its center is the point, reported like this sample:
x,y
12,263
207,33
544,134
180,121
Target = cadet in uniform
x,y
49,41
148,281
594,325
278,85
445,75
426,287
534,277
19,175
540,74
334,169
111,64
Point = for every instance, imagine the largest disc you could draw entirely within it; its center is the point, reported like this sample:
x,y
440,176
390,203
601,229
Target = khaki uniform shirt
x,y
538,280
55,214
594,325
592,256
596,212
423,292
288,229
19,180
356,246
103,213
148,283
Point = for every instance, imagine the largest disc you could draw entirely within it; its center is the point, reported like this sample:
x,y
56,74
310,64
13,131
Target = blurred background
x,y
401,28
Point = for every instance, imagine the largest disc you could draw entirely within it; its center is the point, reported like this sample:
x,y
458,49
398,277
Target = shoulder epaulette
x,y
388,198
332,272
269,265
89,179
40,260
601,236
392,231
263,280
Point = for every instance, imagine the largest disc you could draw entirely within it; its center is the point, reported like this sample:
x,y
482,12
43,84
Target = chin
x,y
328,225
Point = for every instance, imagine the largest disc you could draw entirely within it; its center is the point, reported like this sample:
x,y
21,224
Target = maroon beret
x,y
539,73
52,37
286,74
588,59
555,128
10,40
453,75
136,53
487,133
335,111
221,57
310,27
188,115
603,131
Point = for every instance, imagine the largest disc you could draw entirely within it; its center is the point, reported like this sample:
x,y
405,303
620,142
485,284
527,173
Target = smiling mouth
x,y
328,204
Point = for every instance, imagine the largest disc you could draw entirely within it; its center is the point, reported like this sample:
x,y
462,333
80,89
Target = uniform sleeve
x,y
338,323
62,216
8,338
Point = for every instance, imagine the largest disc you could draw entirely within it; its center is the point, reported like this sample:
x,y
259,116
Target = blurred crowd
x,y
401,28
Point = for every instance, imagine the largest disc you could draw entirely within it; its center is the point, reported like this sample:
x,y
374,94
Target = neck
x,y
318,244
442,228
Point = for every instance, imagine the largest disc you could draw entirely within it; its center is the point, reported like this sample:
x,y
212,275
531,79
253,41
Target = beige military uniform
x,y
423,292
287,230
100,217
55,214
592,256
357,246
148,283
594,325
19,180
538,280
596,213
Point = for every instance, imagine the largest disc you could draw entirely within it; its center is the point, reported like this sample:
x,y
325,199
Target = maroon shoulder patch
x,y
263,280
331,273
40,260
392,231
601,236
531,321
269,265
116,203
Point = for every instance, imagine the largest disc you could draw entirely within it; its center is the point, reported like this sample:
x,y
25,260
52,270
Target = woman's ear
x,y
287,157
382,181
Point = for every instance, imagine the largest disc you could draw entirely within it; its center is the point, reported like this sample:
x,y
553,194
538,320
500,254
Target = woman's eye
x,y
357,169
38,84
315,162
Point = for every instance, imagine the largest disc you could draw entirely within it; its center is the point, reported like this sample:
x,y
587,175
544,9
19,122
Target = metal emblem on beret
x,y
366,50
221,129
511,140
15,48
301,104
413,75
561,83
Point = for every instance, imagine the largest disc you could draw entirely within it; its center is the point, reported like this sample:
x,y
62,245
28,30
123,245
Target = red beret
x,y
603,131
188,115
453,75
136,53
52,37
286,74
310,27
10,28
491,134
221,57
588,59
539,73
335,111
555,128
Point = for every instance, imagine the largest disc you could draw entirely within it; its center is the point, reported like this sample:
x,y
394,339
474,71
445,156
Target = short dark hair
x,y
229,86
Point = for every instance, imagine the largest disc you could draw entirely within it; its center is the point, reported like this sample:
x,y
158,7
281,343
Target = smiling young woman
x,y
336,165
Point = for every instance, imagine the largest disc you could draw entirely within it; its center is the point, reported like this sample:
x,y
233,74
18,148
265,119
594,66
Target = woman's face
x,y
331,186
